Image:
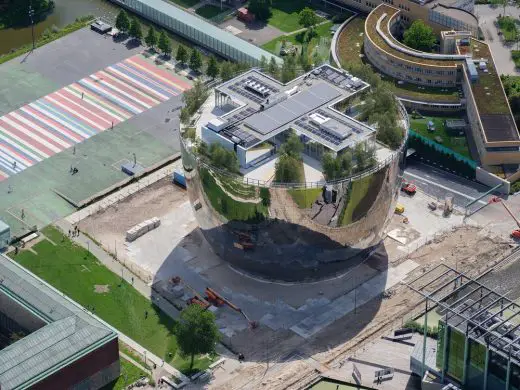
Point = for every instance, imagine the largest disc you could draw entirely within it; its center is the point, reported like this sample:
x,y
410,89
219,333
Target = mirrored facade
x,y
287,233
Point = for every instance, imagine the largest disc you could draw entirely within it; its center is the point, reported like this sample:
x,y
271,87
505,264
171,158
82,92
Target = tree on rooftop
x,y
288,168
389,132
420,36
194,98
197,332
135,29
212,69
365,156
263,63
337,167
223,158
288,69
122,21
182,55
165,44
195,60
260,8
151,38
292,146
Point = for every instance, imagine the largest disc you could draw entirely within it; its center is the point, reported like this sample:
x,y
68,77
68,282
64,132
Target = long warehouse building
x,y
197,30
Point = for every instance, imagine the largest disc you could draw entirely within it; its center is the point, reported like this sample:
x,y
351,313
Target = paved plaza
x,y
57,106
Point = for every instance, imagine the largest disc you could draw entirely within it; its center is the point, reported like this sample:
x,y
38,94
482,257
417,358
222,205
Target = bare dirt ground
x,y
109,226
465,248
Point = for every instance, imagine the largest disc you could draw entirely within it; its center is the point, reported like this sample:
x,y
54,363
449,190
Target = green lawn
x,y
350,43
129,374
322,38
304,198
228,207
209,11
76,272
284,14
457,144
358,191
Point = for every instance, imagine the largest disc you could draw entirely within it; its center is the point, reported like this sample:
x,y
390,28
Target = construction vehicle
x,y
399,209
516,232
408,188
219,300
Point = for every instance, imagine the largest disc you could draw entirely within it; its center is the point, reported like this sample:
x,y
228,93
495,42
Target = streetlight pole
x,y
31,16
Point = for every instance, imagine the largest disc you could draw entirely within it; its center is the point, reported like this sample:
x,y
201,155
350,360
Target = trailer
x,y
179,178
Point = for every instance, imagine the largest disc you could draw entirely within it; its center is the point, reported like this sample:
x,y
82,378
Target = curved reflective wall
x,y
292,234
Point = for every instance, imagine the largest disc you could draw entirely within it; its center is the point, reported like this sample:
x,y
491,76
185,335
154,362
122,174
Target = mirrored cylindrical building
x,y
296,231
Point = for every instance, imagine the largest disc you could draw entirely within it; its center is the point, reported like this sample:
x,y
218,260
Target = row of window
x,y
370,4
381,63
405,7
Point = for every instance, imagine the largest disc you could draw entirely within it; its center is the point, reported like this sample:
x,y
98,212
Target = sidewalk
x,y
138,284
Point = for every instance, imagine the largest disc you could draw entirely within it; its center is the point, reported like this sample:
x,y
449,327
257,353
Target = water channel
x,y
65,12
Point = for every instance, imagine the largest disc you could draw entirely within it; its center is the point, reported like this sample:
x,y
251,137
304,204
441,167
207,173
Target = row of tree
x,y
344,164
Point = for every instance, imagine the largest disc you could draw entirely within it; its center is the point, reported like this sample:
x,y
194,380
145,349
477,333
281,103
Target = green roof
x,y
70,331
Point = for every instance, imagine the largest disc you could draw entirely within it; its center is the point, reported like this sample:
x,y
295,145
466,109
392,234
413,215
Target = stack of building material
x,y
142,228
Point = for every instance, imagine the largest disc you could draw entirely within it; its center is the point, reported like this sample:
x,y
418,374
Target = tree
x,y
135,29
288,170
15,12
195,60
221,157
389,132
182,54
308,19
263,63
197,332
419,36
122,21
292,146
165,45
195,97
288,69
272,68
260,8
151,38
226,71
212,69
337,167
185,116
365,156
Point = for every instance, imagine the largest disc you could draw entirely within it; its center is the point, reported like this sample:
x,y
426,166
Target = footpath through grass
x,y
78,274
458,144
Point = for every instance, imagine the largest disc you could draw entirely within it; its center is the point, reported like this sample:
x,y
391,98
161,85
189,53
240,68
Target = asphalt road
x,y
439,184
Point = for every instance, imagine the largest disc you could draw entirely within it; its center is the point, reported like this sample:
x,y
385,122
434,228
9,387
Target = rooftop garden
x,y
380,42
350,53
488,92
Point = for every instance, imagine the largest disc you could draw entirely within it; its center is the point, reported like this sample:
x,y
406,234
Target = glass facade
x,y
196,30
474,369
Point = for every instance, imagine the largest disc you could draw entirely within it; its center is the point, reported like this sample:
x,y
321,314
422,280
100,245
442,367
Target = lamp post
x,y
31,16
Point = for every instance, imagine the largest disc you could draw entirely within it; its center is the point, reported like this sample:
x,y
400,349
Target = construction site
x,y
297,335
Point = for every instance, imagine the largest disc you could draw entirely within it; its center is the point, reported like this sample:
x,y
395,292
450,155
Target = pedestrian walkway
x,y
145,289
135,363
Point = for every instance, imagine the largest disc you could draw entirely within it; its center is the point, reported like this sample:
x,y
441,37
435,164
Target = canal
x,y
65,12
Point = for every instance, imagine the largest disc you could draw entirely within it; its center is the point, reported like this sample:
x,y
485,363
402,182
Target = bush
x,y
432,331
515,187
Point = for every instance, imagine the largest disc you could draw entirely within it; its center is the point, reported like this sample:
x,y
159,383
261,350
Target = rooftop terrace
x,y
264,107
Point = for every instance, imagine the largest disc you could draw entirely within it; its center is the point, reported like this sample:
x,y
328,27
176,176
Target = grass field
x,y
129,374
457,144
508,27
305,198
76,272
322,31
350,43
208,11
284,14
